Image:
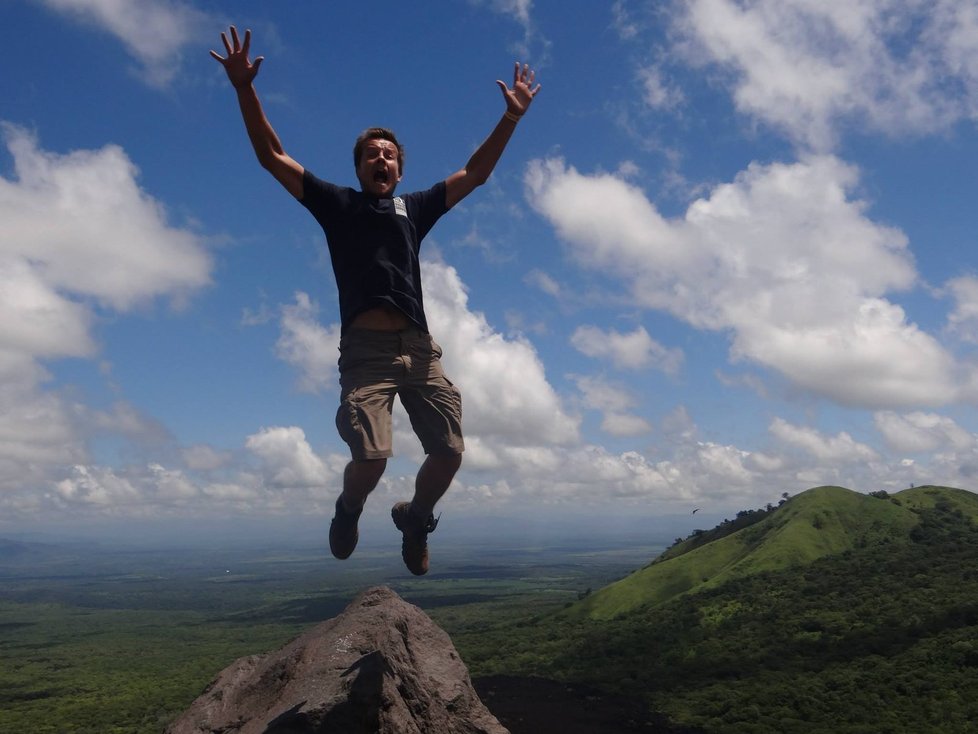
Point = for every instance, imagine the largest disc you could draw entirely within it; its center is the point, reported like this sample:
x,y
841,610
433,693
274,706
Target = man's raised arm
x,y
268,147
476,172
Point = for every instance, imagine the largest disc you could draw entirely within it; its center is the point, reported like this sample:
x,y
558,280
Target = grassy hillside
x,y
817,523
837,612
928,497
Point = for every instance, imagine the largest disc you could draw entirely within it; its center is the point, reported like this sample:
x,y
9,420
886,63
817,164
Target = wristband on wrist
x,y
512,117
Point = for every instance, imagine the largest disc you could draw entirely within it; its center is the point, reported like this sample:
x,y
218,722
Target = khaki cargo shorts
x,y
377,365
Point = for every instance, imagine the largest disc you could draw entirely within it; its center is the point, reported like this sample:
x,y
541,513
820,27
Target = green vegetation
x,y
71,670
880,635
832,612
817,523
107,642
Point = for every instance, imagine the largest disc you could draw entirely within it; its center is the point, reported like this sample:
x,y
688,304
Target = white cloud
x,y
782,258
77,233
36,430
919,432
896,66
34,318
533,45
841,448
308,346
616,405
83,227
202,457
153,31
172,484
97,486
621,21
963,320
519,10
544,282
624,424
287,458
635,350
123,418
506,397
657,93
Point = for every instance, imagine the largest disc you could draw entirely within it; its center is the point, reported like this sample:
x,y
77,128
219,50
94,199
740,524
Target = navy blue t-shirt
x,y
374,244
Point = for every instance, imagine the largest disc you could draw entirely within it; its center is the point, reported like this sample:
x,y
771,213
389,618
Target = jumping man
x,y
385,348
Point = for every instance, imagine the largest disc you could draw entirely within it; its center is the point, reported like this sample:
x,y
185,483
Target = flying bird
x,y
695,511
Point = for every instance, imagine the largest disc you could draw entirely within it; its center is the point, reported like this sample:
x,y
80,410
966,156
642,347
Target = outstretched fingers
x,y
227,46
239,69
523,75
247,42
523,78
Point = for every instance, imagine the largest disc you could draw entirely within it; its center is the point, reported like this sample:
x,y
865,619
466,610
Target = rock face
x,y
382,666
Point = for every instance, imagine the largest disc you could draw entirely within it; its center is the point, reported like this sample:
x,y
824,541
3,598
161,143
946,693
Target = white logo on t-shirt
x,y
399,207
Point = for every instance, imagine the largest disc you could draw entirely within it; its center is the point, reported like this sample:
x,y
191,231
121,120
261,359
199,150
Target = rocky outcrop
x,y
382,666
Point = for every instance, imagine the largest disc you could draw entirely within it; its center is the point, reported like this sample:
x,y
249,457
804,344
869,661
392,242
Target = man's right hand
x,y
240,71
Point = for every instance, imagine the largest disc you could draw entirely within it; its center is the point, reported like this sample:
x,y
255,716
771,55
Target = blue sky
x,y
729,253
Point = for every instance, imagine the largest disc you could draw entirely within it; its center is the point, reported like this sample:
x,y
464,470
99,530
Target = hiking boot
x,y
343,533
414,545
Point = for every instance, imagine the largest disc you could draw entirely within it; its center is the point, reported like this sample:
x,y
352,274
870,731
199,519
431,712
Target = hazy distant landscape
x,y
99,638
834,611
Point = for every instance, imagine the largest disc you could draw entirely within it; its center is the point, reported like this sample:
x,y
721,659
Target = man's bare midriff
x,y
382,318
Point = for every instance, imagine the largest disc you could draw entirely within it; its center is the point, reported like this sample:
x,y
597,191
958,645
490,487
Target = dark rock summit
x,y
382,666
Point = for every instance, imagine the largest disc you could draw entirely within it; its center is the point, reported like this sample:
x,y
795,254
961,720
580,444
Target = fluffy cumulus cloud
x,y
524,445
171,24
919,432
78,238
616,405
287,458
783,258
310,347
506,395
896,66
507,398
633,350
657,93
935,448
523,442
841,448
963,319
277,471
78,226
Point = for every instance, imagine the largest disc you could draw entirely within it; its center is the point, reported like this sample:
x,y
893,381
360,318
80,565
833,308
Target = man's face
x,y
378,170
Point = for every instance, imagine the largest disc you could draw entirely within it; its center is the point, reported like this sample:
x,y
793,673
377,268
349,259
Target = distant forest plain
x,y
832,611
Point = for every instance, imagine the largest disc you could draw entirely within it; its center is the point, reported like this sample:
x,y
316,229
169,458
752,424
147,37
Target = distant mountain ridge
x,y
816,523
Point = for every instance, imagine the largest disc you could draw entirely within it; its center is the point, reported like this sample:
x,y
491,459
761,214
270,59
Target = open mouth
x,y
381,176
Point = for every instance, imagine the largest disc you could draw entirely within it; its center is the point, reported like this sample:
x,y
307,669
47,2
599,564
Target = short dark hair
x,y
377,133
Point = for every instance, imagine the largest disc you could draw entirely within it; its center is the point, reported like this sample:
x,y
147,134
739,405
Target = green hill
x,y
835,612
927,497
819,522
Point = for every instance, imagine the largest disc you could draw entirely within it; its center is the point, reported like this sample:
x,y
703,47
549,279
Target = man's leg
x,y
359,480
415,519
368,381
433,480
434,406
